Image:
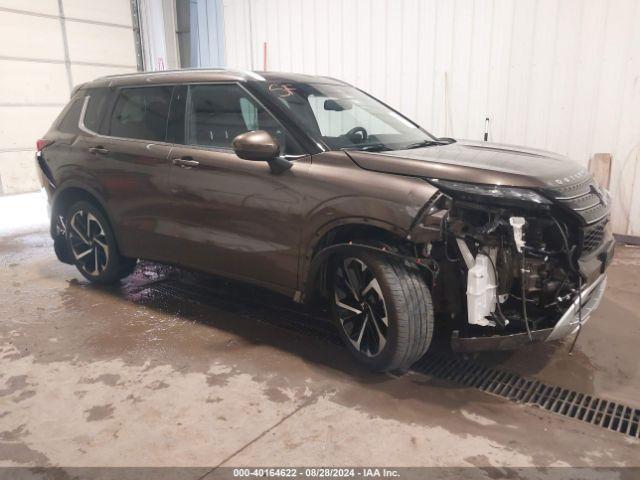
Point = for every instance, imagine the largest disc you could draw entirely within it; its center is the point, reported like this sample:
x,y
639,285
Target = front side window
x,y
344,117
141,113
216,114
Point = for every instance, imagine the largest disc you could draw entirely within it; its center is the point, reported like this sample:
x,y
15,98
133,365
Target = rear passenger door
x,y
129,159
231,215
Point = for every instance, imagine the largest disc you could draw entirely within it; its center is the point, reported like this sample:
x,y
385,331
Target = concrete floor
x,y
139,376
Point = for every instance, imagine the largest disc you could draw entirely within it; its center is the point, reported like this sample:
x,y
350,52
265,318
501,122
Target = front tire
x,y
93,246
382,309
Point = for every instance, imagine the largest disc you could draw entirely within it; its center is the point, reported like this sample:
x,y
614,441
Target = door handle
x,y
185,162
99,149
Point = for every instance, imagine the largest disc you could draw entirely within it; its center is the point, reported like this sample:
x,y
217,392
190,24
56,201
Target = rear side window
x,y
141,113
95,116
70,119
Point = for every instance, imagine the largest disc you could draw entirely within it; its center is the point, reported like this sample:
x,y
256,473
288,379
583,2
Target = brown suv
x,y
310,187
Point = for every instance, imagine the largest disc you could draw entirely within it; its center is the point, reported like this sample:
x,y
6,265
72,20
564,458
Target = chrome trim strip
x,y
564,199
81,125
582,209
591,222
595,203
591,297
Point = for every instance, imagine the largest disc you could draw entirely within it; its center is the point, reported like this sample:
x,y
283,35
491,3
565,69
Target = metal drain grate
x,y
281,316
469,373
511,386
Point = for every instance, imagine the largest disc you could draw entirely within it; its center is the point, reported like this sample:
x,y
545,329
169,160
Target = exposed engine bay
x,y
508,270
505,272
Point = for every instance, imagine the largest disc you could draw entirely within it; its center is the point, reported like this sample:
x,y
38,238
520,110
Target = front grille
x,y
592,237
583,198
594,214
584,202
572,191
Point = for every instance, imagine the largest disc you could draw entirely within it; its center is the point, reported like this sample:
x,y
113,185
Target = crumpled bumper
x,y
569,322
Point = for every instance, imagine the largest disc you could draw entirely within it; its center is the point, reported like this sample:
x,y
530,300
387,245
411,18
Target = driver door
x,y
234,216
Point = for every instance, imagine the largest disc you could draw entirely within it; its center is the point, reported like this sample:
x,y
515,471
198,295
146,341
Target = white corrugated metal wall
x,y
207,36
562,75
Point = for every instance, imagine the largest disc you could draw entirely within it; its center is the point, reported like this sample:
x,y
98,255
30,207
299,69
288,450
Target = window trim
x,y
111,107
83,112
114,102
85,106
174,86
254,98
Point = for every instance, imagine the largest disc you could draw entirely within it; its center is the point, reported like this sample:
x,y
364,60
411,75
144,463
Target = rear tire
x,y
382,309
92,245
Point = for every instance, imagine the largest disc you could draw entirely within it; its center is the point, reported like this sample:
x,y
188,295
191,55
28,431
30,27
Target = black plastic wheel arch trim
x,y
319,260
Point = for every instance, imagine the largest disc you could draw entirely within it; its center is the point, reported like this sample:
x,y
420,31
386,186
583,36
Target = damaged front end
x,y
515,265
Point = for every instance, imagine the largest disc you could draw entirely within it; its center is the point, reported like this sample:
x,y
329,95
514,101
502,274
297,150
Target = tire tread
x,y
409,304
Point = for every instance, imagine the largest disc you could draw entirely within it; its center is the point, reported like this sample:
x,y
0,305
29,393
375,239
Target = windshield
x,y
344,117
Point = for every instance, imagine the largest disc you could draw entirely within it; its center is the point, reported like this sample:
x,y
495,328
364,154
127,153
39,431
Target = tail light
x,y
40,144
44,168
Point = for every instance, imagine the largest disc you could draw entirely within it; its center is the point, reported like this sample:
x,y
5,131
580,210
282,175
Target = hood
x,y
477,162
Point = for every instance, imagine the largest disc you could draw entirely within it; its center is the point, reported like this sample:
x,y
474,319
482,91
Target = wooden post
x,y
600,168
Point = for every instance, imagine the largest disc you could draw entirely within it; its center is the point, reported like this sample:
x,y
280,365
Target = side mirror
x,y
257,145
260,146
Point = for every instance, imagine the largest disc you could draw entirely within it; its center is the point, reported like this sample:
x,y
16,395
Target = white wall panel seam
x,y
628,45
17,149
488,67
33,104
530,69
552,79
575,77
470,70
603,34
65,44
433,69
251,39
68,19
505,119
62,62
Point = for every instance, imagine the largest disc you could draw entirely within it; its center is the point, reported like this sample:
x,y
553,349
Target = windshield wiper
x,y
424,143
375,147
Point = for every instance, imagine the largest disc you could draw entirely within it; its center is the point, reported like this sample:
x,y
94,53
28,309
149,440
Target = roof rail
x,y
247,73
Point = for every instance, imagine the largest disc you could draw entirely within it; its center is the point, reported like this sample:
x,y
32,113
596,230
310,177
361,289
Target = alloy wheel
x,y
360,307
88,242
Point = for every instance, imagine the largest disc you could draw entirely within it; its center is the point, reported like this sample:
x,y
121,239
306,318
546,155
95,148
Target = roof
x,y
202,75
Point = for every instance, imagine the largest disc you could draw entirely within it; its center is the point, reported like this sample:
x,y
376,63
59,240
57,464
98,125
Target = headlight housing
x,y
475,192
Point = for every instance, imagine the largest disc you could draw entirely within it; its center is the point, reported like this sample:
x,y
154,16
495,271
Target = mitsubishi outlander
x,y
310,187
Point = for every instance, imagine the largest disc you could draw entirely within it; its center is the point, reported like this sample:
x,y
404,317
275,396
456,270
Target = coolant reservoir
x,y
481,291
